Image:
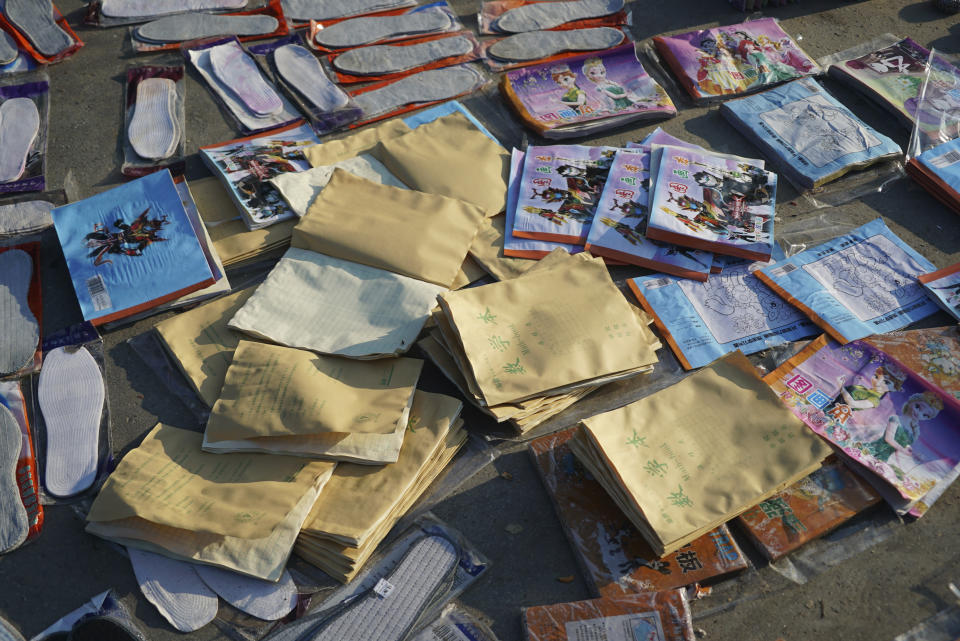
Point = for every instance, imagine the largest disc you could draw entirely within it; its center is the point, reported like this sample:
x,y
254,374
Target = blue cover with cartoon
x,y
733,310
944,161
810,135
130,248
856,285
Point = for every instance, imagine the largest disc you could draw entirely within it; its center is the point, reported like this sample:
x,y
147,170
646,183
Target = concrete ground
x,y
873,596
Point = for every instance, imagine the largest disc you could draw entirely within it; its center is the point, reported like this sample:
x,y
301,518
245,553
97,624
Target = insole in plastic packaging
x,y
427,86
34,19
385,59
302,70
265,600
14,524
21,332
175,589
153,131
534,45
8,48
547,15
239,72
331,9
71,395
190,26
25,217
19,126
361,31
151,8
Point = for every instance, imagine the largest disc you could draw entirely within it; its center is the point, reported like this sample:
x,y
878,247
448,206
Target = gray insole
x,y
426,86
534,45
153,132
18,340
14,523
302,70
34,19
8,48
361,31
157,8
19,126
330,9
382,59
25,217
547,15
190,26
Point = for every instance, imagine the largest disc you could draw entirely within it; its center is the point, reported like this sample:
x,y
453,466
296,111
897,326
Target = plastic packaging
x,y
490,11
34,302
496,65
105,606
23,63
36,87
404,7
316,27
11,396
457,623
95,17
135,165
25,44
56,198
937,119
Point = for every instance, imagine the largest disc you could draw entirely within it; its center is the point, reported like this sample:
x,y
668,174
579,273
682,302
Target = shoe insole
x,y
361,31
101,629
384,59
239,72
34,19
304,10
21,332
8,632
153,132
19,126
302,70
8,48
175,589
426,86
152,8
14,523
190,26
25,217
534,45
71,394
265,600
547,15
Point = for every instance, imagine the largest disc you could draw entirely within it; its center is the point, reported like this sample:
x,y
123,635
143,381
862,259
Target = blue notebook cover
x,y
944,161
856,285
731,311
807,132
130,248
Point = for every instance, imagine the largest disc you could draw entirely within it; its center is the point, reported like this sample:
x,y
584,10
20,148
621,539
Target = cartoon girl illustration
x,y
613,95
574,97
901,432
717,74
886,378
763,70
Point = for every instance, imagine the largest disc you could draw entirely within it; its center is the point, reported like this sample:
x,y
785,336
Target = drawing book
x,y
559,190
806,510
855,285
735,59
713,202
246,165
131,248
733,310
944,287
619,226
585,94
902,433
810,136
614,557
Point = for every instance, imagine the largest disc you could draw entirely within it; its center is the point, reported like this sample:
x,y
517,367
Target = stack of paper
x,y
687,459
938,171
360,504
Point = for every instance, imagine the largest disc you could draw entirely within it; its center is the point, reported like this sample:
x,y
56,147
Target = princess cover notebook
x,y
944,287
855,285
559,191
619,226
712,202
735,59
585,94
809,135
732,310
131,248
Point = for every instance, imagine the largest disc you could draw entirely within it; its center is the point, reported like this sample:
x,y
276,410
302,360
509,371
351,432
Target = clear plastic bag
x,y
35,87
135,165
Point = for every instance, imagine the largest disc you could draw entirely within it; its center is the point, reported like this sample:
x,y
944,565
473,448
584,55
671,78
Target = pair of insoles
x,y
534,45
19,127
538,16
240,74
34,19
21,332
154,8
190,26
427,86
304,10
303,72
386,59
154,130
361,31
186,593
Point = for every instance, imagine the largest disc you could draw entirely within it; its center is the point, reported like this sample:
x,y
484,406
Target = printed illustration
x,y
128,240
947,291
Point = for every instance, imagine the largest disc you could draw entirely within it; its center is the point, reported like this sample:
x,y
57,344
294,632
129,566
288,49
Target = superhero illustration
x,y
259,164
128,240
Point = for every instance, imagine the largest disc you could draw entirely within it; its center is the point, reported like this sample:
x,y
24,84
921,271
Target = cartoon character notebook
x,y
619,225
733,310
933,354
902,430
735,59
585,94
855,285
246,165
712,202
944,287
131,248
809,134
